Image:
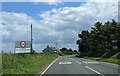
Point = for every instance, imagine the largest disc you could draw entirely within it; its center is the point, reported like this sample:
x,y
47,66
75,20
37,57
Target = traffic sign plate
x,y
22,46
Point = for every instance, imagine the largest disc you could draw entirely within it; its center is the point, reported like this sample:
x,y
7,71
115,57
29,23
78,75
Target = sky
x,y
53,22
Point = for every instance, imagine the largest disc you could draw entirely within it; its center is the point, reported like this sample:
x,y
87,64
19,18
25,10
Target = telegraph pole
x,y
56,45
31,38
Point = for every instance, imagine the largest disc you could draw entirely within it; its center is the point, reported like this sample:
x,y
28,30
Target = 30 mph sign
x,y
22,46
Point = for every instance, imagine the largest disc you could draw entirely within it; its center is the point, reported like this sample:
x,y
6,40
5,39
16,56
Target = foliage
x,y
60,53
26,63
116,56
110,53
32,52
64,49
103,40
75,51
68,51
109,60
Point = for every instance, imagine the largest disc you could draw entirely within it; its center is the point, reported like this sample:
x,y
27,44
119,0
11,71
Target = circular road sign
x,y
22,44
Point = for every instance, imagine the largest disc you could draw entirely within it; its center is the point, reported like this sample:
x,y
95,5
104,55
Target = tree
x,y
102,37
64,49
85,41
75,51
32,52
70,50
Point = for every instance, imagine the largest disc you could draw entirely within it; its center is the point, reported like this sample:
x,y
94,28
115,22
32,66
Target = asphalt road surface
x,y
73,66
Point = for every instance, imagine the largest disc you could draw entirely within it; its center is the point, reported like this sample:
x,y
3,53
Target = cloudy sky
x,y
53,22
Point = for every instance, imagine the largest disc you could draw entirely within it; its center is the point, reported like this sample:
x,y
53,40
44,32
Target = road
x,y
73,66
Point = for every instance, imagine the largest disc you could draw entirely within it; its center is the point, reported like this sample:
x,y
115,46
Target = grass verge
x,y
69,55
26,64
109,60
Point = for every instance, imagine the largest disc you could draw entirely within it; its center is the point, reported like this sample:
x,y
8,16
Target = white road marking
x,y
83,59
110,63
65,63
71,58
49,66
94,71
78,62
90,62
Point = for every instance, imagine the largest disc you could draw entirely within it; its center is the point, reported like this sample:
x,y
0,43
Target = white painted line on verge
x,y
101,62
110,63
83,59
49,66
94,71
78,62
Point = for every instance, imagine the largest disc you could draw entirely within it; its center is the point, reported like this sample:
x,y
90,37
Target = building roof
x,y
50,48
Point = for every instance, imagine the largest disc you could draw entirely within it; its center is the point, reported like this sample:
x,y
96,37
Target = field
x,y
26,63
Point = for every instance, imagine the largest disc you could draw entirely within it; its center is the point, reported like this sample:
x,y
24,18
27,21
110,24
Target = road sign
x,y
22,46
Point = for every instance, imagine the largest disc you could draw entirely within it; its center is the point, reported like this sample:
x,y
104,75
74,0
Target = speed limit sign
x,y
22,44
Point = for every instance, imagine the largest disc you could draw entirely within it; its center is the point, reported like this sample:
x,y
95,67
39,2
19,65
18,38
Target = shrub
x,y
110,53
60,53
116,56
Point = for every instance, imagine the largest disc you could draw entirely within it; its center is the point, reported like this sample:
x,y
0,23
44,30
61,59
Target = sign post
x,y
23,47
31,38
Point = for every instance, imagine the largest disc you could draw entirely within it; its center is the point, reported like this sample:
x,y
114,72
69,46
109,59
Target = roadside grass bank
x,y
69,55
24,64
0,60
111,56
109,60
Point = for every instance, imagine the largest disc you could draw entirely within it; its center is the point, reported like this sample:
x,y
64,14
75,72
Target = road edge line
x,y
94,70
49,66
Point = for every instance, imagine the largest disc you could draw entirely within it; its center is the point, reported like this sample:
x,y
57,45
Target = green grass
x,y
0,60
19,64
116,56
69,55
109,60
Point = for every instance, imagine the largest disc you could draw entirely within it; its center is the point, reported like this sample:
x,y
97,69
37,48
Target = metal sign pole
x,y
28,57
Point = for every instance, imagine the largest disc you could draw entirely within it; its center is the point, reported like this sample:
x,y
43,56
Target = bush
x,y
17,64
89,54
116,56
110,53
60,53
69,52
99,53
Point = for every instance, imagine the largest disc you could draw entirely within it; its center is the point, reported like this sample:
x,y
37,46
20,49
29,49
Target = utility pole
x,y
31,38
56,45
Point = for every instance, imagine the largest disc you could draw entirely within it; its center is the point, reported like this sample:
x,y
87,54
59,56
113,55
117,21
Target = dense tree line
x,y
68,51
102,38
